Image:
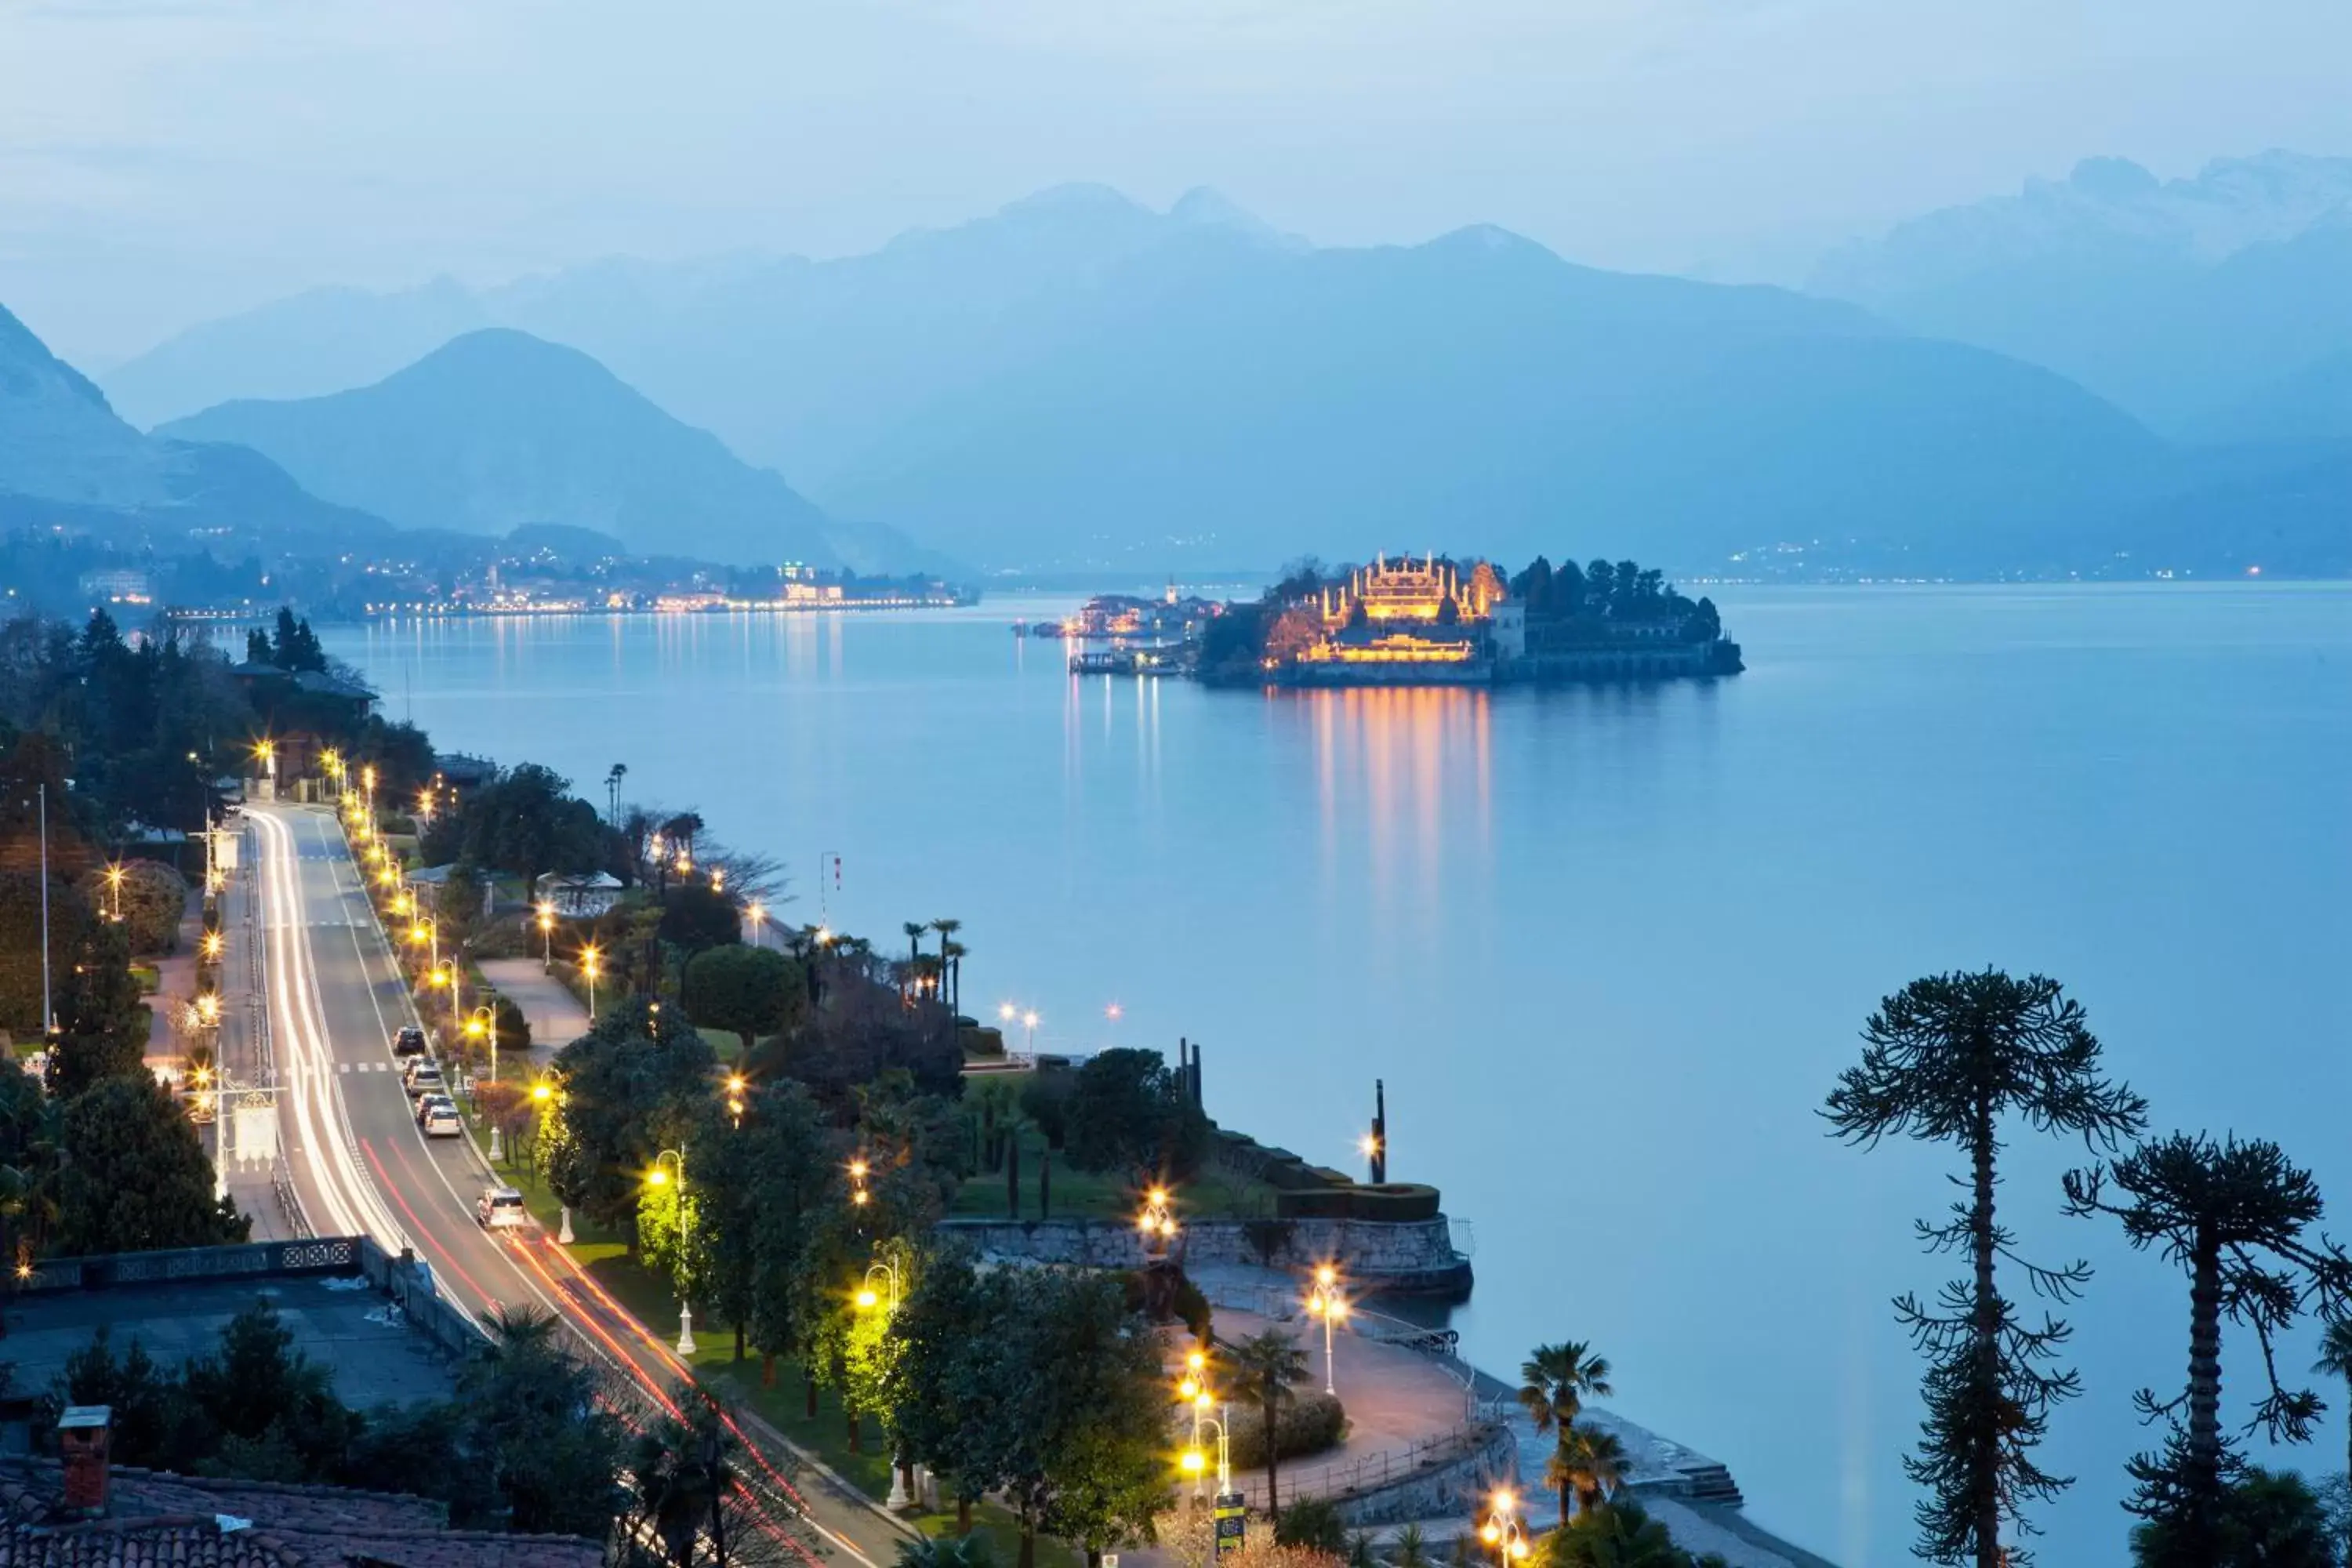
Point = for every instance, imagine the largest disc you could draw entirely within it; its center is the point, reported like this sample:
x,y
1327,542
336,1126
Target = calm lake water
x,y
1606,947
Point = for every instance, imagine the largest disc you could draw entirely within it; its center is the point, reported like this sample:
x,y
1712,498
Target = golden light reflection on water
x,y
1403,786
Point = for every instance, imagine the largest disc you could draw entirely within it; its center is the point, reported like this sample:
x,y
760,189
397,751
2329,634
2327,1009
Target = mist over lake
x,y
1607,946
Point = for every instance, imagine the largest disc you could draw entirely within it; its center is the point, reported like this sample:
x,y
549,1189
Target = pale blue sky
x,y
161,160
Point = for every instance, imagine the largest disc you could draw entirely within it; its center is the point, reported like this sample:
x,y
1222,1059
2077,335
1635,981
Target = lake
x,y
1608,947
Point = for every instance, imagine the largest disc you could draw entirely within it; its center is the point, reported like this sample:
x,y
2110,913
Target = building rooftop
x,y
156,1520
340,1322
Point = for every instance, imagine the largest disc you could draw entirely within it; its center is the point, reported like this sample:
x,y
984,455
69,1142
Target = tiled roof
x,y
157,1519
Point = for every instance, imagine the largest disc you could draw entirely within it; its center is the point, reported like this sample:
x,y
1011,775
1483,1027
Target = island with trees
x,y
1434,620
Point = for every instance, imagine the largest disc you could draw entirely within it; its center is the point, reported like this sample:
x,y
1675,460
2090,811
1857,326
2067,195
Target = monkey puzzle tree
x,y
2234,1217
1951,1059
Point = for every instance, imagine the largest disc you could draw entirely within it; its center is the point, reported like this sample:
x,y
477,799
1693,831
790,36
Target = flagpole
x,y
48,1012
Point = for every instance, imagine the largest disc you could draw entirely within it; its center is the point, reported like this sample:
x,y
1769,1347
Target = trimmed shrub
x,y
1309,1423
1393,1202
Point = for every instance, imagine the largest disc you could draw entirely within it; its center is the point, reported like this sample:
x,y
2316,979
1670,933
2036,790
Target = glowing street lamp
x,y
867,1299
542,1095
589,959
1503,1531
736,1087
1326,1302
114,885
211,945
658,1177
1158,1220
759,918
546,936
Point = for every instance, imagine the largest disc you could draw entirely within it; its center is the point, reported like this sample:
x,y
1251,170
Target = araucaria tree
x,y
2234,1217
1953,1059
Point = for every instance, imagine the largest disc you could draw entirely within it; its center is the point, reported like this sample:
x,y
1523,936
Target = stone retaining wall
x,y
1402,1258
1456,1485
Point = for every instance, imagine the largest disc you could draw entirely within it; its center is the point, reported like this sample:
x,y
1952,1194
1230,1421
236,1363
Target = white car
x,y
501,1208
443,1121
423,1078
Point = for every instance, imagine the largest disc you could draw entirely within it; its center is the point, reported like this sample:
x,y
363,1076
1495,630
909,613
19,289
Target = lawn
x,y
1079,1194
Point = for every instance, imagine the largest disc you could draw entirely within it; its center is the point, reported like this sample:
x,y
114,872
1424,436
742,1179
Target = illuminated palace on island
x,y
1406,620
1426,620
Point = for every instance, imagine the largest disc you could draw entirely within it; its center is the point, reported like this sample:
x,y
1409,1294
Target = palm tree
x,y
1589,1464
914,930
2335,1361
1950,1060
1553,1385
955,951
947,929
1270,1367
972,1551
1618,1535
520,1329
1411,1548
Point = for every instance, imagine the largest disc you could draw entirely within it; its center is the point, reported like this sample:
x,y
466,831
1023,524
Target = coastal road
x,y
360,1165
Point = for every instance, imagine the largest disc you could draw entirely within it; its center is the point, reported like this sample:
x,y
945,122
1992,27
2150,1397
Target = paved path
x,y
555,1017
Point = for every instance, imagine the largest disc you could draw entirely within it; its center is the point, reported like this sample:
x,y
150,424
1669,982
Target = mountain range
x,y
496,430
1079,383
67,459
2201,305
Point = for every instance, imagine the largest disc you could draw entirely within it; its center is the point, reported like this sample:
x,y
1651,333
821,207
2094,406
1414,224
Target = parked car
x,y
428,1104
441,1120
499,1208
408,1042
423,1078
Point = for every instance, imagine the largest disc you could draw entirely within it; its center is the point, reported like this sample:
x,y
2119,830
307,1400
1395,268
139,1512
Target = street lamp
x,y
759,918
457,1001
1158,1220
542,1095
1029,1031
1326,1302
1504,1533
1196,1463
588,960
857,1193
211,946
546,936
427,931
735,1085
114,885
659,1177
868,1300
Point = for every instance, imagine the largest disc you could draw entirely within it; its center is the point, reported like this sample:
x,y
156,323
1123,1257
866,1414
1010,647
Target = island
x,y
1420,620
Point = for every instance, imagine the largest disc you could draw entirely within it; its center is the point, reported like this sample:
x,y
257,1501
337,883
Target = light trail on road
x,y
325,1141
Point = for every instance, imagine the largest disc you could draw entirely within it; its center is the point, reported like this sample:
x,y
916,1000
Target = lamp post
x,y
1504,1533
868,1299
658,1177
1196,1462
1326,1302
1158,1221
542,1095
114,888
546,936
758,915
588,959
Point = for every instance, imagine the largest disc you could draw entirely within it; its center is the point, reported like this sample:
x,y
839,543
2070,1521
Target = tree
x,y
1619,1534
696,916
2335,1361
614,1084
1948,1059
940,1360
1270,1367
951,954
2265,1519
2234,1216
272,1408
101,1027
1554,1383
683,1471
1589,1464
551,1454
748,991
136,1179
1091,1462
1126,1112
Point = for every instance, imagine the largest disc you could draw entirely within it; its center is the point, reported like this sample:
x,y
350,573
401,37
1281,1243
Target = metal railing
x,y
1371,1472
244,1260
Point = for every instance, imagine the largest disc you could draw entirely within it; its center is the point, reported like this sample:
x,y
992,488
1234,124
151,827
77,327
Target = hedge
x,y
1395,1202
1308,1424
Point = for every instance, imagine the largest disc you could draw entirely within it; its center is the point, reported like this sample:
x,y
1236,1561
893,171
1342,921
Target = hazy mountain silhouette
x,y
66,457
497,429
1078,382
2313,404
2178,300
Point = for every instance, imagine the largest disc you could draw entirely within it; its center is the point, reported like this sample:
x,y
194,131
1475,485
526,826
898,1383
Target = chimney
x,y
82,1439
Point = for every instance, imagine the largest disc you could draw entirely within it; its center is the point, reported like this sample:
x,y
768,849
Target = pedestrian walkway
x,y
555,1016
